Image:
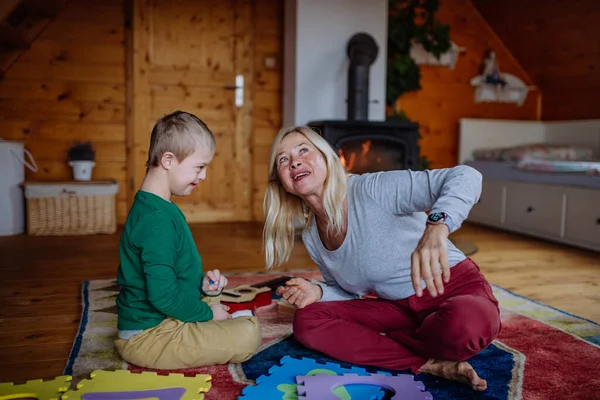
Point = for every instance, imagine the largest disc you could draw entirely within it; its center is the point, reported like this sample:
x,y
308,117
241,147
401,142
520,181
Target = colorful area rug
x,y
541,353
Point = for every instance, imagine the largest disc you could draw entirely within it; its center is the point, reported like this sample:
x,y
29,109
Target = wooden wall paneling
x,y
138,120
63,91
131,158
70,86
45,49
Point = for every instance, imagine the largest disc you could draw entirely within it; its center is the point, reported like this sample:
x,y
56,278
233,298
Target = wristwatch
x,y
437,218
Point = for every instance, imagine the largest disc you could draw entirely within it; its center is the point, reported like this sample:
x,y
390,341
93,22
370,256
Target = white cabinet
x,y
583,216
559,213
536,208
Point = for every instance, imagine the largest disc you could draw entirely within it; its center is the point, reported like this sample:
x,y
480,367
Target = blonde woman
x,y
371,234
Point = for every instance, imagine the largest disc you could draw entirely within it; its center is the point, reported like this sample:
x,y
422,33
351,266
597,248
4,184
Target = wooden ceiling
x,y
21,22
558,43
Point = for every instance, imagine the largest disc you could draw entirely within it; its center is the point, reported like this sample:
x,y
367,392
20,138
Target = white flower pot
x,y
82,170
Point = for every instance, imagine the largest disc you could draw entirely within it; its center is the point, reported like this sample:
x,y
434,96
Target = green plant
x,y
424,163
403,76
411,21
81,152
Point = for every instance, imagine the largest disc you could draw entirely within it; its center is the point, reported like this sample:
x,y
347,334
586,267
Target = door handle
x,y
239,90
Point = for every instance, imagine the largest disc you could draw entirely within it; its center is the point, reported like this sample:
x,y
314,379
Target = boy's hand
x,y
220,312
213,283
300,292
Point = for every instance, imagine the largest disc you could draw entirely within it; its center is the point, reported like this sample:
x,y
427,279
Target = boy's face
x,y
184,176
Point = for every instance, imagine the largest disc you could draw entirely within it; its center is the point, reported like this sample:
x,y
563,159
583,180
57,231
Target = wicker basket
x,y
71,208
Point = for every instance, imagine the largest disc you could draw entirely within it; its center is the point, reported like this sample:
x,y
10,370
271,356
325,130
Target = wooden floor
x,y
41,279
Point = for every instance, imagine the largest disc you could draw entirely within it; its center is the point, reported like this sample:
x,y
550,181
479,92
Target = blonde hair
x,y
180,133
282,210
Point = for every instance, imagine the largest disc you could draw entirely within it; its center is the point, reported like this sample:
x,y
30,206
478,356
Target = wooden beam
x,y
7,58
11,37
7,7
44,8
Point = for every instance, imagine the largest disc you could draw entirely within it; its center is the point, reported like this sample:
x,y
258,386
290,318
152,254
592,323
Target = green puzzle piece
x,y
290,391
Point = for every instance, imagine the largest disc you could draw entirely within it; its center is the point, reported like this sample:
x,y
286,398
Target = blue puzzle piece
x,y
266,387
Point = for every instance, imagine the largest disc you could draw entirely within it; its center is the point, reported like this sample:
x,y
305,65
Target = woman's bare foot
x,y
455,371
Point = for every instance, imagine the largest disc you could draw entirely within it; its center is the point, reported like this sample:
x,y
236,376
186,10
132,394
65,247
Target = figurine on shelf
x,y
491,71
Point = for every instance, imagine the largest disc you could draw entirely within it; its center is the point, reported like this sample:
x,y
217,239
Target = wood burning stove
x,y
363,145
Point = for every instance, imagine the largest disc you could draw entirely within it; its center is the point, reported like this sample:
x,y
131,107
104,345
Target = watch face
x,y
437,217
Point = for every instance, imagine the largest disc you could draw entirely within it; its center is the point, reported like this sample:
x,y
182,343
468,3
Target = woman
x,y
370,234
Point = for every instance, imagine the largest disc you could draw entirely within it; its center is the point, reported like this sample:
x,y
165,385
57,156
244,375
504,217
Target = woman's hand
x,y
300,292
213,283
220,312
430,261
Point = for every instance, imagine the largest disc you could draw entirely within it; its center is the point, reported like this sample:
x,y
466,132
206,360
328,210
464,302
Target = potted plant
x,y
81,159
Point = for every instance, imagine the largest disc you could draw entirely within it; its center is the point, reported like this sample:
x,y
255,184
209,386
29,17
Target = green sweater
x,y
160,271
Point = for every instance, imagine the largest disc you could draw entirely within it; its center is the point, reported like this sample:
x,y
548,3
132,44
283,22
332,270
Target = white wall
x,y
487,133
315,60
584,133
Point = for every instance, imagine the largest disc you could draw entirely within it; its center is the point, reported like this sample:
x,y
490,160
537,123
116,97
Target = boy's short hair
x,y
180,133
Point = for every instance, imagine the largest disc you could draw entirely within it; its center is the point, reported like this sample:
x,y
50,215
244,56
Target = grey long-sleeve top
x,y
386,219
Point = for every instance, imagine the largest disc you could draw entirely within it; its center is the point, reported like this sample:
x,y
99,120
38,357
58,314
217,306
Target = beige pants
x,y
174,344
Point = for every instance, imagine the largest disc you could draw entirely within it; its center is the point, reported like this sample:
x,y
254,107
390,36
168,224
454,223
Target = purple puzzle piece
x,y
321,386
161,394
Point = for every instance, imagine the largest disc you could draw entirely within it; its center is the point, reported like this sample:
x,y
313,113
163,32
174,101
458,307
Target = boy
x,y
163,321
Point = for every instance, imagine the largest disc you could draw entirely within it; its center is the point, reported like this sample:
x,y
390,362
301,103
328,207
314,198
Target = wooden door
x,y
186,56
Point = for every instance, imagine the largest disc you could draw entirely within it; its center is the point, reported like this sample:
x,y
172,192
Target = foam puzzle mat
x,y
125,385
280,383
322,386
40,389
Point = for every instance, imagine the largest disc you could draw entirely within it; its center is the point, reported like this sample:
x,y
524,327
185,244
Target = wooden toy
x,y
251,297
246,297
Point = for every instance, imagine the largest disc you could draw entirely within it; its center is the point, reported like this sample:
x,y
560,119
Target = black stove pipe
x,y
362,52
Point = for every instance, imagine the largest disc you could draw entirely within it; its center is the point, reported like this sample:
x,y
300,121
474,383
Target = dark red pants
x,y
454,326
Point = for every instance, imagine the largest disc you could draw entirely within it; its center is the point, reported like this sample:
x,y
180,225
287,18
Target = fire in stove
x,y
361,157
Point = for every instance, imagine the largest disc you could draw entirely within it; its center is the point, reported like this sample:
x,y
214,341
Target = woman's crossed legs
x,y
427,334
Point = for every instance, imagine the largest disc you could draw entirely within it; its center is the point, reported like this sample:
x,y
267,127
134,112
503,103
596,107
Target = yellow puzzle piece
x,y
120,384
39,389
